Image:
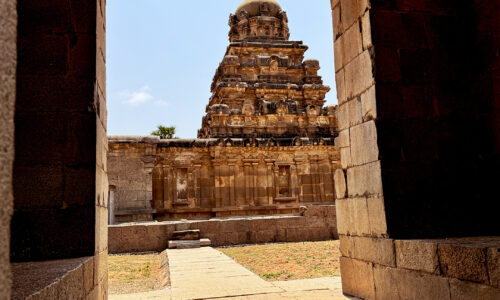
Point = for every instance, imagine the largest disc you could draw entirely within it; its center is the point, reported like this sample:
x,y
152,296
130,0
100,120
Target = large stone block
x,y
369,105
88,276
71,285
417,255
463,290
353,44
340,85
366,31
340,184
343,139
397,30
345,157
74,96
364,148
352,216
44,54
357,278
463,261
294,222
364,180
354,111
234,226
338,50
334,3
337,21
494,266
316,221
352,10
263,224
401,284
359,75
263,236
343,116
375,250
376,216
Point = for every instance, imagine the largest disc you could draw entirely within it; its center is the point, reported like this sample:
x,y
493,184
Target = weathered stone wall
x,y
436,115
318,223
130,170
101,200
56,279
211,178
60,182
8,35
418,149
460,268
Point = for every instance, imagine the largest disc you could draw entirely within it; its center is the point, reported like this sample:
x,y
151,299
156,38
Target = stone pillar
x,y
299,161
313,161
158,190
232,183
321,182
248,190
60,137
361,212
149,162
276,181
270,182
197,183
255,170
168,186
217,175
191,188
293,182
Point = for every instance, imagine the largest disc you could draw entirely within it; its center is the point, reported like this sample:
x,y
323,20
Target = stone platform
x,y
317,224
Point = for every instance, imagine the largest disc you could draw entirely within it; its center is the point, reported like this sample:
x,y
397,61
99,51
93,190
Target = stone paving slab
x,y
325,283
302,295
206,273
153,295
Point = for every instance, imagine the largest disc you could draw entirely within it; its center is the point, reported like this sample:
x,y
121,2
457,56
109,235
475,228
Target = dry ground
x,y
134,273
274,262
289,261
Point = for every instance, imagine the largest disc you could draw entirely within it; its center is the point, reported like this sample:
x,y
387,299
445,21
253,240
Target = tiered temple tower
x,y
263,87
266,145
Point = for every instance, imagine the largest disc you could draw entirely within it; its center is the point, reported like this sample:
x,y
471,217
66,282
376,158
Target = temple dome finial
x,y
259,7
258,20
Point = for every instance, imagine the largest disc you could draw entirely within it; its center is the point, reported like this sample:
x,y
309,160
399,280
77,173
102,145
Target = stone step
x,y
205,242
189,244
185,235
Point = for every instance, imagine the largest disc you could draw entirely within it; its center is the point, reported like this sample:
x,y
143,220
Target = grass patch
x,y
134,273
289,261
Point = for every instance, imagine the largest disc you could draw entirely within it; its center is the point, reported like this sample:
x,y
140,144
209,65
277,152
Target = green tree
x,y
165,132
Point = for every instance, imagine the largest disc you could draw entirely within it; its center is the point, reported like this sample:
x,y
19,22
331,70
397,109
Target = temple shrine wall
x,y
205,178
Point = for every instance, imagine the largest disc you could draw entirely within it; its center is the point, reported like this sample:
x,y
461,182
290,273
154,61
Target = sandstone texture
x,y
266,145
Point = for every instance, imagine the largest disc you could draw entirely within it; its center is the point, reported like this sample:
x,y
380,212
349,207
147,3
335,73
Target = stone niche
x,y
200,179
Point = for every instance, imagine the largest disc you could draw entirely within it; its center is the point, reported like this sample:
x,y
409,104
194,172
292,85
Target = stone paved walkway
x,y
206,273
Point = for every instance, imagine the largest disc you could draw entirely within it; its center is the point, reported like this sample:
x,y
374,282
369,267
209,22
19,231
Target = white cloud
x,y
141,96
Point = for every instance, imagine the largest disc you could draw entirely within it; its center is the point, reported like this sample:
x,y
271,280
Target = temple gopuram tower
x,y
263,87
266,146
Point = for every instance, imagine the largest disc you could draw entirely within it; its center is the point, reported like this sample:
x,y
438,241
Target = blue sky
x,y
162,55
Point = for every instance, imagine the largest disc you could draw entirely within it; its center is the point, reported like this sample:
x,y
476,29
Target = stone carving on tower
x,y
263,88
267,143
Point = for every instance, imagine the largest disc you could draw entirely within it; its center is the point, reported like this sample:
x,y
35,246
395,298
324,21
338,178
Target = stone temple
x,y
266,145
416,184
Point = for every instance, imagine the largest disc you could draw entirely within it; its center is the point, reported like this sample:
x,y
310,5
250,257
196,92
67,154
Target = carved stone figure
x,y
261,70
